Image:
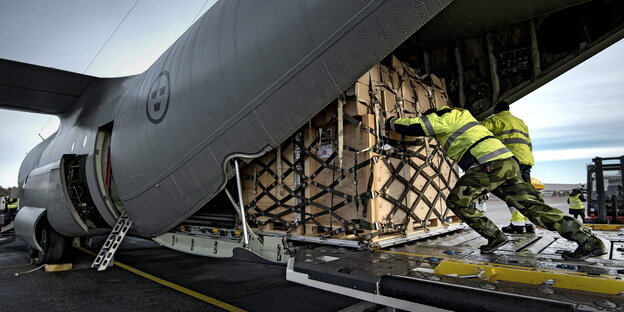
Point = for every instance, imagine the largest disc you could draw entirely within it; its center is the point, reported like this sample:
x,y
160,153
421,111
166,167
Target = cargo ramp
x,y
449,273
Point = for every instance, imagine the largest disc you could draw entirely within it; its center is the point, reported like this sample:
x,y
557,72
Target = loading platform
x,y
449,272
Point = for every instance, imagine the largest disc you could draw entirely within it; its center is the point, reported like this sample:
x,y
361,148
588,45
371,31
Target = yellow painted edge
x,y
179,288
605,227
566,281
494,264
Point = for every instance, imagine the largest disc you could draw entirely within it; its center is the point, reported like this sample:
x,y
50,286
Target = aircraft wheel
x,y
53,244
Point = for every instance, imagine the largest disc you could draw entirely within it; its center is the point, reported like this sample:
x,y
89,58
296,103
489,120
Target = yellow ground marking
x,y
606,284
179,288
605,227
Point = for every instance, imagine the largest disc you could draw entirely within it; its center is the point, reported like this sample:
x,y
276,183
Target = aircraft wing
x,y
39,89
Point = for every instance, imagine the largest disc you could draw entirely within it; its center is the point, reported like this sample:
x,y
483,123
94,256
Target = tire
x,y
53,244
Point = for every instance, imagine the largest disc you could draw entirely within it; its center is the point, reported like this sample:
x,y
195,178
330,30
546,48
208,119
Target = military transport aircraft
x,y
244,77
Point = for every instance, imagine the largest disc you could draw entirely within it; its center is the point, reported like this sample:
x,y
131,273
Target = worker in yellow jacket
x,y
576,200
489,167
514,133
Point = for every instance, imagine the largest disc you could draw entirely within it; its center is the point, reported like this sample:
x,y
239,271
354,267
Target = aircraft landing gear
x,y
54,245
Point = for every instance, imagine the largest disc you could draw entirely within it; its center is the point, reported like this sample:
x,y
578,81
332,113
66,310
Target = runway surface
x,y
246,283
498,212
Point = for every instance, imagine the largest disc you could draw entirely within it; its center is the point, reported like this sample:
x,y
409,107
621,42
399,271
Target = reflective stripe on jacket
x,y
575,202
514,133
457,131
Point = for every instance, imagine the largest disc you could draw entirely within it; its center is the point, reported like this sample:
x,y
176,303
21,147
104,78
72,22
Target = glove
x,y
390,123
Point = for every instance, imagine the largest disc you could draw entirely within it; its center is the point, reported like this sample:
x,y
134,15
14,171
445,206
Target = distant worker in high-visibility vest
x,y
576,200
514,133
489,167
11,210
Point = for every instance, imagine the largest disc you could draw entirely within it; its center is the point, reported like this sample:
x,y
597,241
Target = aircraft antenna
x,y
197,15
45,125
111,36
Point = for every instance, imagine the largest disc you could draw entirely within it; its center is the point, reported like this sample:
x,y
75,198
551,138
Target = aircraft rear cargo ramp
x,y
447,271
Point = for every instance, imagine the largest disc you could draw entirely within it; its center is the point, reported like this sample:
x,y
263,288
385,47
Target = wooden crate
x,y
334,179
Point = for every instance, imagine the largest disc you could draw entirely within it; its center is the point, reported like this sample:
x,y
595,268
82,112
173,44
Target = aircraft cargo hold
x,y
343,176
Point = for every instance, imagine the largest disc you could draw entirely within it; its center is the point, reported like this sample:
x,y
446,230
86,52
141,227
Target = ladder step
x,y
113,241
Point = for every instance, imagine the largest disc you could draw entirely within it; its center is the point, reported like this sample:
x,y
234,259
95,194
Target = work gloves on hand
x,y
390,123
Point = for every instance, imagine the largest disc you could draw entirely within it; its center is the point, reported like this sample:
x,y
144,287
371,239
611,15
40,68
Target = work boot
x,y
591,247
494,243
513,229
529,228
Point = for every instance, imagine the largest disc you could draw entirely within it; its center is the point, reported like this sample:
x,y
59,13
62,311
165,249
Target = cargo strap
x,y
407,162
361,199
419,171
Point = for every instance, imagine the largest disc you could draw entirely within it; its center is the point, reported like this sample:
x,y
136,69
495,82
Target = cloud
x,y
586,98
578,153
577,107
576,136
561,171
20,134
577,117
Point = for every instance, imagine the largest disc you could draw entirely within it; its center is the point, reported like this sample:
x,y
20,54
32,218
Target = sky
x,y
572,119
576,117
86,37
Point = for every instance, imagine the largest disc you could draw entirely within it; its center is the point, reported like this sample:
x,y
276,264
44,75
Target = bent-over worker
x,y
489,167
514,133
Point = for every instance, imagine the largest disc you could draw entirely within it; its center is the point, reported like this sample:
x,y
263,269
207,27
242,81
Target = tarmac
x,y
498,212
247,284
243,282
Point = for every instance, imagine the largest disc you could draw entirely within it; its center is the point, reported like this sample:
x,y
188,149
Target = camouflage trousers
x,y
502,178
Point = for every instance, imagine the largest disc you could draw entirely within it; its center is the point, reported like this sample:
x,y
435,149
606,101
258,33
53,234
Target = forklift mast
x,y
604,204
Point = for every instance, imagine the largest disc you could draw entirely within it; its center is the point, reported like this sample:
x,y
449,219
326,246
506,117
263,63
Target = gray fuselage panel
x,y
241,80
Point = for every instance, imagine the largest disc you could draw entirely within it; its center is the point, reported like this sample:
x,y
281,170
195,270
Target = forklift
x,y
605,203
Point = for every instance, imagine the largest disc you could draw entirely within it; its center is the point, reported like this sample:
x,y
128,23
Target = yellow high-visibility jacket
x,y
514,133
457,132
575,202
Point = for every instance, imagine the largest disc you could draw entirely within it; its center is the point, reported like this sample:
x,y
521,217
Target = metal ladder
x,y
113,241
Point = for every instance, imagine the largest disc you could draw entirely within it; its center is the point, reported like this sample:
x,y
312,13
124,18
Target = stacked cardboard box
x,y
344,176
